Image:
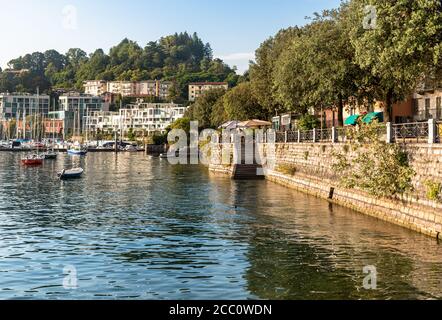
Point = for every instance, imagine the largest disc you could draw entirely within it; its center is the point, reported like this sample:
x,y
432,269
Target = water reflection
x,y
136,227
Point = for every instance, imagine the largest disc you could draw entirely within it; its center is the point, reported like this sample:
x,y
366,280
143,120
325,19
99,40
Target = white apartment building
x,y
196,89
145,117
75,107
77,102
19,104
148,88
125,88
95,87
163,89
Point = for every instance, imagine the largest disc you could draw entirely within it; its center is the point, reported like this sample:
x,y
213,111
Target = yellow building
x,y
198,88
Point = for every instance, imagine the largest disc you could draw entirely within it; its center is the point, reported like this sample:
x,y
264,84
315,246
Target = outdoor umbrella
x,y
254,124
230,125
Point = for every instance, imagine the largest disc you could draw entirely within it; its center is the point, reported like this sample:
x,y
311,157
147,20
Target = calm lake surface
x,y
138,228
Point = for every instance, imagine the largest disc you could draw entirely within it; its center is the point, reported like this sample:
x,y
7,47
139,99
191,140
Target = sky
x,y
235,29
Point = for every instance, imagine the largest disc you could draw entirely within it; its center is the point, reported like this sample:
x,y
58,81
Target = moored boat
x,y
50,155
77,151
71,174
131,148
32,160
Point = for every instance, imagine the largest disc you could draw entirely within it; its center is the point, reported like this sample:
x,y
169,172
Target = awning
x,y
254,124
369,118
352,120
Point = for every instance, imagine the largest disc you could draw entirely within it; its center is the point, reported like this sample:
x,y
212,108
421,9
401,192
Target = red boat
x,y
32,161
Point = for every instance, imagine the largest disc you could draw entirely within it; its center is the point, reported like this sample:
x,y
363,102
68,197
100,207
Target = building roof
x,y
208,83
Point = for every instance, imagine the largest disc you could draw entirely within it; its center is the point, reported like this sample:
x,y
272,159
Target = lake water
x,y
138,228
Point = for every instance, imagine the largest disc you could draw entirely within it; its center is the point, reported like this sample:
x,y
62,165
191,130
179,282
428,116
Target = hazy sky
x,y
234,28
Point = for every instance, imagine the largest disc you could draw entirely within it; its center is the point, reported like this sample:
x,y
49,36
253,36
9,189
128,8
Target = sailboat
x,y
34,159
77,149
50,154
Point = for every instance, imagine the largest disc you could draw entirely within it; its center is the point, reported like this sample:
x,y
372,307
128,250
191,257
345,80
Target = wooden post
x,y
116,142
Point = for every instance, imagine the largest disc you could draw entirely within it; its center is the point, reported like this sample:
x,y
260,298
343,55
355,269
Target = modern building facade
x,y
76,102
13,105
148,118
196,89
73,109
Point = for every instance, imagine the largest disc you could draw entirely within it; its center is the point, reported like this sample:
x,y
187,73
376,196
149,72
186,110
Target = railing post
x,y
314,135
286,137
334,135
431,131
389,132
299,136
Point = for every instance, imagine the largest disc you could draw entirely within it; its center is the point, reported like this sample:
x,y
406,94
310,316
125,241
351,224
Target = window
x,y
439,107
427,108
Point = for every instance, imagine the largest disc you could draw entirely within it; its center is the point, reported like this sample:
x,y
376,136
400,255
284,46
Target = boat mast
x,y
24,121
17,120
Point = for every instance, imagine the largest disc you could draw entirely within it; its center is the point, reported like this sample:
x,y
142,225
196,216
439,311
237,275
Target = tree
x,y
240,104
203,107
219,115
262,74
398,47
329,63
181,124
181,58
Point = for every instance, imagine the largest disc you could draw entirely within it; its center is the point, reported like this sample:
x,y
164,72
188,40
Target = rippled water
x,y
137,227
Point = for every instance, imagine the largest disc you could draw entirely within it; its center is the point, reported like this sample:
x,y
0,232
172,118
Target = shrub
x,y
374,166
308,122
434,190
287,169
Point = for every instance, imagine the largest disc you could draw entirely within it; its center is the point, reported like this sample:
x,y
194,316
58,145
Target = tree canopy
x,y
181,58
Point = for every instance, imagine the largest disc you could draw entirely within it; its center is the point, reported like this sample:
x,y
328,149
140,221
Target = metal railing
x,y
307,136
411,132
416,132
292,136
280,137
324,135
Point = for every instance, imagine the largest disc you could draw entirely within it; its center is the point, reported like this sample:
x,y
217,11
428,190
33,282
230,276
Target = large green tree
x,y
398,43
241,104
262,71
203,107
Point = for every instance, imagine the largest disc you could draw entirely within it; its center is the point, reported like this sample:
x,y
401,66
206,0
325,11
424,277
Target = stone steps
x,y
247,172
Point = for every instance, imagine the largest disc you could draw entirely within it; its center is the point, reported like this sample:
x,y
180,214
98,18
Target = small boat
x,y
77,151
71,174
50,155
131,148
163,156
32,160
